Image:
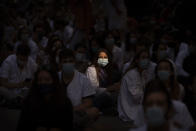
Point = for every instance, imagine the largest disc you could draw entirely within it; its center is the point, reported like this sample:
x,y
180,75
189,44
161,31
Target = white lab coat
x,y
80,87
149,72
92,75
183,53
131,95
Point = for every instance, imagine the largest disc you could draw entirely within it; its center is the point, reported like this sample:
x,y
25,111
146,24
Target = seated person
x,y
159,112
46,107
166,72
78,88
133,86
104,76
16,72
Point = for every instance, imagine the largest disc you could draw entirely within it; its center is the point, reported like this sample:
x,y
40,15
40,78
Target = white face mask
x,y
103,62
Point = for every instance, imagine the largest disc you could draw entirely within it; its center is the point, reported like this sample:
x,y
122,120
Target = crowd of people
x,y
65,63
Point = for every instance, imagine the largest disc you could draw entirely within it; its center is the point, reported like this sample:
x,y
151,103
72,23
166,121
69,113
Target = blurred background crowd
x,y
66,63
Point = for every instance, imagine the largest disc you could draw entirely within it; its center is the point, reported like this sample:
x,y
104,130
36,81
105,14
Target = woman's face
x,y
44,78
164,66
144,55
103,55
157,99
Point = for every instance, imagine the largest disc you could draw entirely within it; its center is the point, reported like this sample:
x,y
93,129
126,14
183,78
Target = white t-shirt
x,y
11,71
80,87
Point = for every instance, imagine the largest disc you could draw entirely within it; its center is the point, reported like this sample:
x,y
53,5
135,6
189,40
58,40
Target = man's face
x,y
22,61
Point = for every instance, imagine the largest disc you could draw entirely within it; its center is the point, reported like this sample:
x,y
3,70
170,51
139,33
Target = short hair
x,y
23,50
66,53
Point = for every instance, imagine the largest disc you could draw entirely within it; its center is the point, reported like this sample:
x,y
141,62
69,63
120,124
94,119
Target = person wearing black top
x,y
46,106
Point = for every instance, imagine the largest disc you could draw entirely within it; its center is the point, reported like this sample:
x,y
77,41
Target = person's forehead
x,y
156,96
102,53
164,63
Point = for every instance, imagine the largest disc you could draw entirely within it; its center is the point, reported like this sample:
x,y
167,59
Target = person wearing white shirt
x,y
24,38
132,87
78,87
104,77
159,112
139,45
17,70
166,72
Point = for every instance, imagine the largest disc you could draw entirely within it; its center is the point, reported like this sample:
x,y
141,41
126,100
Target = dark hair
x,y
23,50
39,24
61,107
34,95
80,45
142,41
52,73
156,86
174,86
155,48
21,31
134,64
97,56
66,53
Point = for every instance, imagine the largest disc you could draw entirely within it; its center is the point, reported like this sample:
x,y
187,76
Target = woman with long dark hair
x,y
46,106
132,87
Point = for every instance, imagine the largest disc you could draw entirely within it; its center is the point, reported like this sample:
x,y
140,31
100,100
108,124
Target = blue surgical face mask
x,y
163,75
155,116
144,63
163,54
68,69
103,62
